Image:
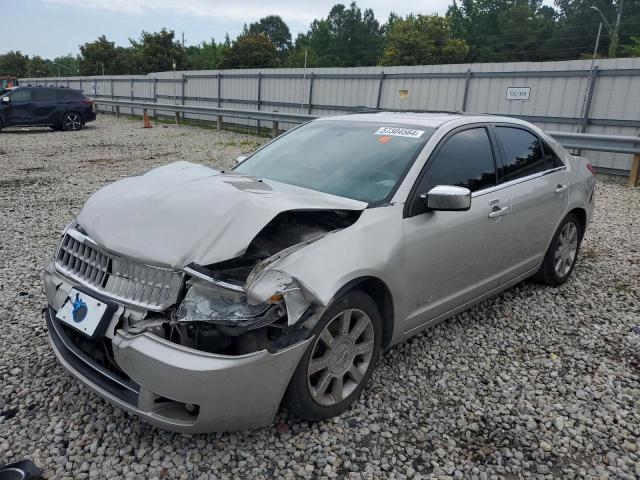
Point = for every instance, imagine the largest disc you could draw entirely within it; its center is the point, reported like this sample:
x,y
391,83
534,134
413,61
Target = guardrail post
x,y
276,130
177,118
311,77
131,92
219,122
155,96
634,174
117,111
467,80
380,89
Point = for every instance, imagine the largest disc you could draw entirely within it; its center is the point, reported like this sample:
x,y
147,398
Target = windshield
x,y
359,160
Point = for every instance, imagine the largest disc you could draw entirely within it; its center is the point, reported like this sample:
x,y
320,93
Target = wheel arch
x,y
581,214
381,296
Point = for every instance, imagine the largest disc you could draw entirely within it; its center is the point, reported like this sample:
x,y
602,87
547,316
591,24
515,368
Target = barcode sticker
x,y
399,132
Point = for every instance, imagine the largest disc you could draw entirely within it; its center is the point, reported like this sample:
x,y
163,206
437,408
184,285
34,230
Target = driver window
x,y
465,160
21,96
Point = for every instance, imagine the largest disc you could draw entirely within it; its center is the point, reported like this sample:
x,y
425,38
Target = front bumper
x,y
232,392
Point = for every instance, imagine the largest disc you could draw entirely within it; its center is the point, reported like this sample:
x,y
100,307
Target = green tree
x,y
504,30
38,67
158,51
633,49
578,25
96,55
14,64
347,37
422,40
206,56
64,66
250,51
275,29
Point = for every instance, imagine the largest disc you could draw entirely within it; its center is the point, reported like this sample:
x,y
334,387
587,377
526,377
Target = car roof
x,y
424,119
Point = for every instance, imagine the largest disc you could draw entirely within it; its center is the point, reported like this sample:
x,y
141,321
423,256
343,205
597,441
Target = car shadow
x,y
32,130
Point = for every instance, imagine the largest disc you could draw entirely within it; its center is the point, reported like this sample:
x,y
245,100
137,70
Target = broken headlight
x,y
206,302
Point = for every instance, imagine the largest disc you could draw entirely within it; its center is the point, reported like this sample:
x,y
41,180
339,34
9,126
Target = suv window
x,y
21,95
522,153
43,94
465,160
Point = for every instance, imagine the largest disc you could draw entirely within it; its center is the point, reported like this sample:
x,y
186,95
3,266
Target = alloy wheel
x,y
566,249
340,357
72,121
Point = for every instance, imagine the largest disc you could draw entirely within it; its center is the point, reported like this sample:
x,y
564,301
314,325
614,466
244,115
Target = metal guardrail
x,y
213,111
579,141
598,143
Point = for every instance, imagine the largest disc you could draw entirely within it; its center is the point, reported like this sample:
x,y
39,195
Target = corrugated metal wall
x,y
558,92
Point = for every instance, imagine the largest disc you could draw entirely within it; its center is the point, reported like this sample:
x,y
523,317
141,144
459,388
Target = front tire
x,y
561,257
71,121
339,361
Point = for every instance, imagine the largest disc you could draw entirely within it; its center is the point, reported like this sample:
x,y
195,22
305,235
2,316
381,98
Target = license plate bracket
x,y
86,312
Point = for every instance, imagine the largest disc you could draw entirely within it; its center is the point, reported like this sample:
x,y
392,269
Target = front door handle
x,y
498,212
561,189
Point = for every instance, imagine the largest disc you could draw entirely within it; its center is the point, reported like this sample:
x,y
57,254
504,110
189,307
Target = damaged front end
x,y
247,304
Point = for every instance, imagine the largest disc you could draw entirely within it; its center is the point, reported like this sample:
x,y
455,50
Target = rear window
x,y
43,94
64,94
522,153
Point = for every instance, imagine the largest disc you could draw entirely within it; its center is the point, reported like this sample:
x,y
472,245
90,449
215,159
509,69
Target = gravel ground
x,y
535,382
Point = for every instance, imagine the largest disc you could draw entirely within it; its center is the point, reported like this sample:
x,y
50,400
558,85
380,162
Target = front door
x,y
453,257
20,111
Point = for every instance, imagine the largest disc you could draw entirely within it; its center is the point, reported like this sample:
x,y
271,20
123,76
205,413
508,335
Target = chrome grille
x,y
124,280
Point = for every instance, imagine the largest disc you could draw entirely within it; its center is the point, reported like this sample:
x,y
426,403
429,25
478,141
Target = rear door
x,y
45,104
20,111
536,184
453,257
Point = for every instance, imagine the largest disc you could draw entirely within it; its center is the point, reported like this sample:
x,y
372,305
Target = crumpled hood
x,y
183,213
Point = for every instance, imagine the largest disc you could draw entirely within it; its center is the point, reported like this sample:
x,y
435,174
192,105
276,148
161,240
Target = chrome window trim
x,y
517,181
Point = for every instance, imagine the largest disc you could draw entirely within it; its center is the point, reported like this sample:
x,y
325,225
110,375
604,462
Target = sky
x,y
51,28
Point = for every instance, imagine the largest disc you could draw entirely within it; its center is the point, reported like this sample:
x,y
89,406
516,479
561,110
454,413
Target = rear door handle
x,y
498,212
561,189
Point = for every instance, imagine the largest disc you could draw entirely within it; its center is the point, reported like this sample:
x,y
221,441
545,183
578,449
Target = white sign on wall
x,y
518,93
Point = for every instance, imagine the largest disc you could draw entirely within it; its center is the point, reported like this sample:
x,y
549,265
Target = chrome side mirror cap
x,y
448,198
241,159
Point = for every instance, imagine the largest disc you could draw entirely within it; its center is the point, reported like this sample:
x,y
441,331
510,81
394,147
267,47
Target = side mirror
x,y
241,159
6,99
447,198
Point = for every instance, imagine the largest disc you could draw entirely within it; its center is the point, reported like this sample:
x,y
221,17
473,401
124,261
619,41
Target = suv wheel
x,y
71,121
561,257
340,360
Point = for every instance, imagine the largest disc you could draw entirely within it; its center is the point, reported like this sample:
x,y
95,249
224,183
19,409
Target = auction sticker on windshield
x,y
399,132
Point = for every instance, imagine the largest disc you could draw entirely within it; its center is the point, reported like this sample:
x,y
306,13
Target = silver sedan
x,y
200,300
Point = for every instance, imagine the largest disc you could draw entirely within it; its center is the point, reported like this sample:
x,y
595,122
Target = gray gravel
x,y
537,382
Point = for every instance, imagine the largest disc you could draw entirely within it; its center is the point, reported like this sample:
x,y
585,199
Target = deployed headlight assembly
x,y
205,302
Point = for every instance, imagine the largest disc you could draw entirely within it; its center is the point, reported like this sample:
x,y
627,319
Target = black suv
x,y
60,108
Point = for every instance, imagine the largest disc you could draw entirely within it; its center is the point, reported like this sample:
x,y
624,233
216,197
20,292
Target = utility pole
x,y
595,49
613,31
614,35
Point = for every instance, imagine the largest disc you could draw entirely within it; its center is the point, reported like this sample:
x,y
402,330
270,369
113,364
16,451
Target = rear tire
x,y
340,359
71,122
562,255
